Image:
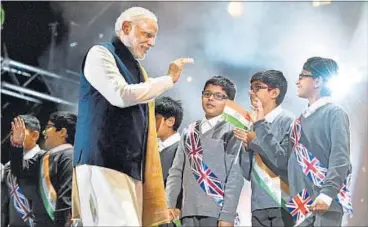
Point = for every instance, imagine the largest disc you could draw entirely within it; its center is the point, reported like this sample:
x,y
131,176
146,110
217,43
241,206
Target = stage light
x,y
320,3
73,44
235,9
101,35
342,83
189,79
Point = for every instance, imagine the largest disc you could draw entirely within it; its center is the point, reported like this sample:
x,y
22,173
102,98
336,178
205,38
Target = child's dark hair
x,y
31,122
167,107
67,120
273,79
324,68
225,83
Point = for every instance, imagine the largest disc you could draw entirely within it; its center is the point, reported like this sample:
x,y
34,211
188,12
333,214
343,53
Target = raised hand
x,y
18,132
258,109
176,67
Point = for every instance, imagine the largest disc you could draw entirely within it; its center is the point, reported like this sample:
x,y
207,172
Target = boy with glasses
x,y
319,158
204,164
271,134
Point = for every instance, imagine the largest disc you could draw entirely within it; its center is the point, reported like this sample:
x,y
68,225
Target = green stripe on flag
x,y
284,198
234,121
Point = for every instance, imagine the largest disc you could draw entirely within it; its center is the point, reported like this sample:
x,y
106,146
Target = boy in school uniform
x,y
270,132
319,158
50,170
205,165
169,115
13,195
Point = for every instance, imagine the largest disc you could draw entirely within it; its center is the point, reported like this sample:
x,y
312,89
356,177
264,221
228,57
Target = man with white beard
x,y
116,129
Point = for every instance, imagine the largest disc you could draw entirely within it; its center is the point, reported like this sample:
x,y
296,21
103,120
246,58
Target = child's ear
x,y
36,135
275,93
318,82
64,133
170,122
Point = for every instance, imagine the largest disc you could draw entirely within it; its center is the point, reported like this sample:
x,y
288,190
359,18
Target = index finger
x,y
22,124
186,60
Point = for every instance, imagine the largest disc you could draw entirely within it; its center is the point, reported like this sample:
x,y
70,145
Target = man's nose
x,y
152,42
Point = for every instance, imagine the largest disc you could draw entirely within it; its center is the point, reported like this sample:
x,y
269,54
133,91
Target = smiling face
x,y
213,100
53,137
266,94
139,36
306,84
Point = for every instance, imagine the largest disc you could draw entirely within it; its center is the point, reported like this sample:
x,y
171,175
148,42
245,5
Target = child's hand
x,y
225,224
18,132
258,109
174,213
245,136
241,135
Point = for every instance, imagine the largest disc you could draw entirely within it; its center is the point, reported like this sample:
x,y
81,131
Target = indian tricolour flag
x,y
237,115
261,174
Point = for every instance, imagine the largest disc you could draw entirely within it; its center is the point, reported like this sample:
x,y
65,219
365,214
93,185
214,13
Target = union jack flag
x,y
344,197
298,206
204,176
20,202
311,166
315,171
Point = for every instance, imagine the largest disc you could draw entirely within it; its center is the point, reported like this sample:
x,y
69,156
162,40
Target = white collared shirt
x,y
61,147
102,73
169,141
271,116
207,124
316,105
31,153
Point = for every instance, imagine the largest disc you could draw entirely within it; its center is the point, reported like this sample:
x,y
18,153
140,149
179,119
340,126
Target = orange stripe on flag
x,y
231,104
284,186
46,173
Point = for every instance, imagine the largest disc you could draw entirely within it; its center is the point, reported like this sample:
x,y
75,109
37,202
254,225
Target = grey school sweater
x,y
273,137
219,150
326,134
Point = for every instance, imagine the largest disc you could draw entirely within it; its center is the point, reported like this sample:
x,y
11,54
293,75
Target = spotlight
x,y
189,79
235,9
319,3
101,35
73,44
342,83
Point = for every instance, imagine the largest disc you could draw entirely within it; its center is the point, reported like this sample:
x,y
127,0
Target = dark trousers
x,y
198,221
277,217
330,218
167,225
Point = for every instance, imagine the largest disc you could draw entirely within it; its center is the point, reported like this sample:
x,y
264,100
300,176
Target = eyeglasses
x,y
49,126
256,88
301,76
217,95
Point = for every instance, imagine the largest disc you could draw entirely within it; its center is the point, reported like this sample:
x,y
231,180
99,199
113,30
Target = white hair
x,y
133,14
